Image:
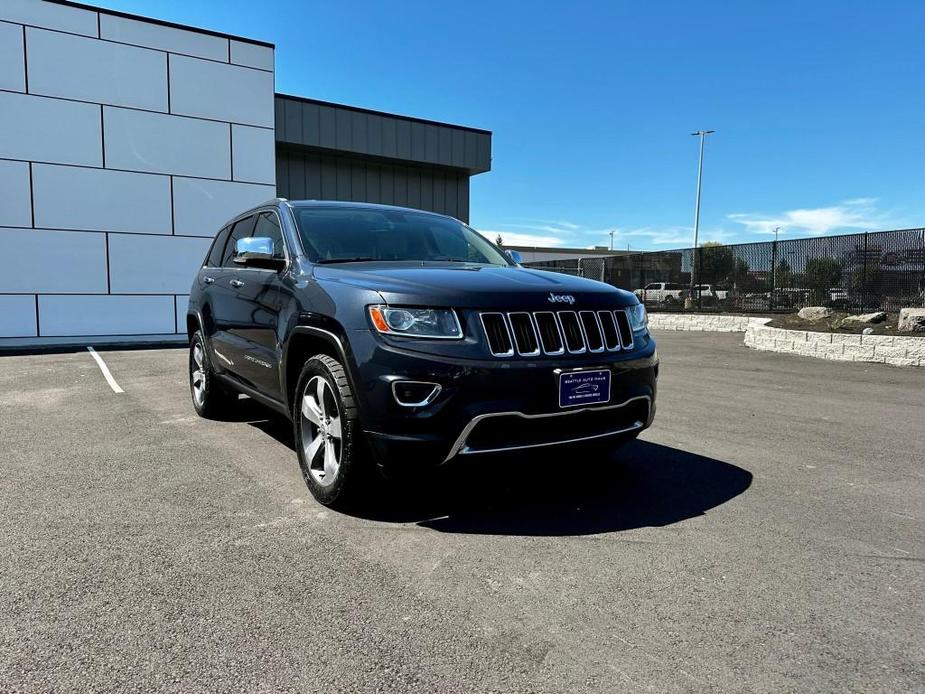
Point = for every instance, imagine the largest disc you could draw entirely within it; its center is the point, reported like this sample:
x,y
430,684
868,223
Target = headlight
x,y
638,318
437,323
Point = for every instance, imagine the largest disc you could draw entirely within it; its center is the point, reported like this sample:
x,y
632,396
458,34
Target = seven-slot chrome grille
x,y
553,333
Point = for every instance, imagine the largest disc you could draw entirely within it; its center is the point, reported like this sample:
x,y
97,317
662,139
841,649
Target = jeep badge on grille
x,y
561,299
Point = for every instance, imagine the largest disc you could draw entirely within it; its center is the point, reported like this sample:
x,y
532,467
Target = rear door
x,y
229,314
209,274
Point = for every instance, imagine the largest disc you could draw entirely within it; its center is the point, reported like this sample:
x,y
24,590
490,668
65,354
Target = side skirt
x,y
264,400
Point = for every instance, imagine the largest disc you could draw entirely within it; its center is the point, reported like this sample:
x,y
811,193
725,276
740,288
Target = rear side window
x,y
268,227
218,246
242,229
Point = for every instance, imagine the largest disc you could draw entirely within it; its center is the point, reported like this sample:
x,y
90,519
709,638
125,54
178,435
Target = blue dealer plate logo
x,y
584,388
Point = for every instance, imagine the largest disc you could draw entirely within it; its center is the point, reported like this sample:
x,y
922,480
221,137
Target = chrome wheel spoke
x,y
313,448
334,427
319,396
310,411
330,461
197,378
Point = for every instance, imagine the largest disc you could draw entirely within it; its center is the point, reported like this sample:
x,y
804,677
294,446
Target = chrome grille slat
x,y
594,336
555,333
609,330
500,342
556,348
623,325
523,331
572,332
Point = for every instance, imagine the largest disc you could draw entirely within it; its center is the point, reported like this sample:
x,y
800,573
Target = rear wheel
x,y
327,433
210,398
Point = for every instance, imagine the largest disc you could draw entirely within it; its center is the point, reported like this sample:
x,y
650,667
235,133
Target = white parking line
x,y
105,369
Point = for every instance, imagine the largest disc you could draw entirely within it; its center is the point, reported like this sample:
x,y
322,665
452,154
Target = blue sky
x,y
819,106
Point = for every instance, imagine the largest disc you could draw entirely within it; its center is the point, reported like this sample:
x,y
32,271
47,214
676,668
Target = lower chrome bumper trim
x,y
459,446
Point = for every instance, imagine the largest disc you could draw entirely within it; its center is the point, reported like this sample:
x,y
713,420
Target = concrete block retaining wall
x,y
884,349
697,321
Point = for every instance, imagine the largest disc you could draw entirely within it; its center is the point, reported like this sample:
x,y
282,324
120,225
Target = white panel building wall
x,y
125,143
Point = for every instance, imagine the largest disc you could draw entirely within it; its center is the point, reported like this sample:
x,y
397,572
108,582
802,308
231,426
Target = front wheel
x,y
327,433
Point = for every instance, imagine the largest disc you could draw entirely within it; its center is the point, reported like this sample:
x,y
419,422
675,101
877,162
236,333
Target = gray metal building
x,y
126,142
333,152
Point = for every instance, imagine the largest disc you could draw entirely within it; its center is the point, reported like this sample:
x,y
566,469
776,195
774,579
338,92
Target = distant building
x,y
532,254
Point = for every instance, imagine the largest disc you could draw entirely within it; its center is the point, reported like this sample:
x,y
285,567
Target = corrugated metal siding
x,y
307,123
306,175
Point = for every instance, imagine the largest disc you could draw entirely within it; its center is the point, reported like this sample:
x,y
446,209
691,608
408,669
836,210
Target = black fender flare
x,y
334,340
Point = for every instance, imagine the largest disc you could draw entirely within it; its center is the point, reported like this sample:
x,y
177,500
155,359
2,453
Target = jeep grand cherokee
x,y
396,339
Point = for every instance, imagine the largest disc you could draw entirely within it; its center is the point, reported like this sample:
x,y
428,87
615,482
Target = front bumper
x,y
487,406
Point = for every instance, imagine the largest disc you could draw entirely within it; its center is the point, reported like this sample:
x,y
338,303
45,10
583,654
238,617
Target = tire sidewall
x,y
332,494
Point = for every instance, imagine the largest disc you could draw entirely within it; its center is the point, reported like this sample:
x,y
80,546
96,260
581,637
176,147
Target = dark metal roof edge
x,y
360,109
162,22
334,152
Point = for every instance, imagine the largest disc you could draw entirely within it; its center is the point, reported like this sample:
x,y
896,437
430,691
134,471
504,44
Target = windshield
x,y
342,234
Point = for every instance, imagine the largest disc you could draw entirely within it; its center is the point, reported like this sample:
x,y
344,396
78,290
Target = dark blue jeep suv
x,y
396,339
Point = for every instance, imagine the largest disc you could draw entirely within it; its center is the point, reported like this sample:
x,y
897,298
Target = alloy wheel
x,y
197,374
321,431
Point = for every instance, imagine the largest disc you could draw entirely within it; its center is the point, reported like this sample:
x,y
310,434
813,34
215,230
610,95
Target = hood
x,y
460,285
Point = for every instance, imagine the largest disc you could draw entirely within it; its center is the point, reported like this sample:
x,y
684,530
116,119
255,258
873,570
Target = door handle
x,y
236,283
208,280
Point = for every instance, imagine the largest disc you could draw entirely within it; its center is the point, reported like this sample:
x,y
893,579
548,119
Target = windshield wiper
x,y
359,259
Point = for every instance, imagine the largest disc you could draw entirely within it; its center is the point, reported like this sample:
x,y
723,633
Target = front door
x,y
259,293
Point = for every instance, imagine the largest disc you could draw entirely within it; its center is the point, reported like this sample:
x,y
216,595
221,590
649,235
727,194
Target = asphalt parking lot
x,y
765,535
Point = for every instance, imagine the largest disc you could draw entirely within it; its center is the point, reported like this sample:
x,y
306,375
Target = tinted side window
x,y
242,229
268,226
218,245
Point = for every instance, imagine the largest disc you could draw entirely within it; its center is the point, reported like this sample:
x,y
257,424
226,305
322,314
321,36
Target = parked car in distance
x,y
761,301
397,340
706,293
660,293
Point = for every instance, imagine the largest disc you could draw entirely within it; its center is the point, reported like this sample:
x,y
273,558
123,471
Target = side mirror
x,y
515,256
256,250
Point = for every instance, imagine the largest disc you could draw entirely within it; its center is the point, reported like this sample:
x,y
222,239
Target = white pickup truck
x,y
660,293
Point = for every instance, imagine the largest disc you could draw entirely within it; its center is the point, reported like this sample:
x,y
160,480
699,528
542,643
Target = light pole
x,y
612,231
701,134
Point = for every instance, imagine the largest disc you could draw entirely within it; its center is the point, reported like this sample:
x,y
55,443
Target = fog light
x,y
415,393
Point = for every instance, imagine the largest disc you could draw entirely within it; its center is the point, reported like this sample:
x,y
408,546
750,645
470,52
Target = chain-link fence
x,y
882,270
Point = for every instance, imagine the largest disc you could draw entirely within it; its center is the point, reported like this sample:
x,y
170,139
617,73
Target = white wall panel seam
x,y
136,108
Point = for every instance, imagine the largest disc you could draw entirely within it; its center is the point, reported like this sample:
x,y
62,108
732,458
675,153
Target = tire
x,y
328,437
211,399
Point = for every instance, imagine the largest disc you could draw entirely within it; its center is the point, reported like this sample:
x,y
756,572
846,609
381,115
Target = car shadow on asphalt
x,y
568,491
559,491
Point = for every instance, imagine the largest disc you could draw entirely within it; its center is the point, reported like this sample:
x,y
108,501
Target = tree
x,y
715,264
784,275
864,284
821,275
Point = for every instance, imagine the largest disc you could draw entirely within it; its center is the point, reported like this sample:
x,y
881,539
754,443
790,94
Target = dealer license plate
x,y
584,388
